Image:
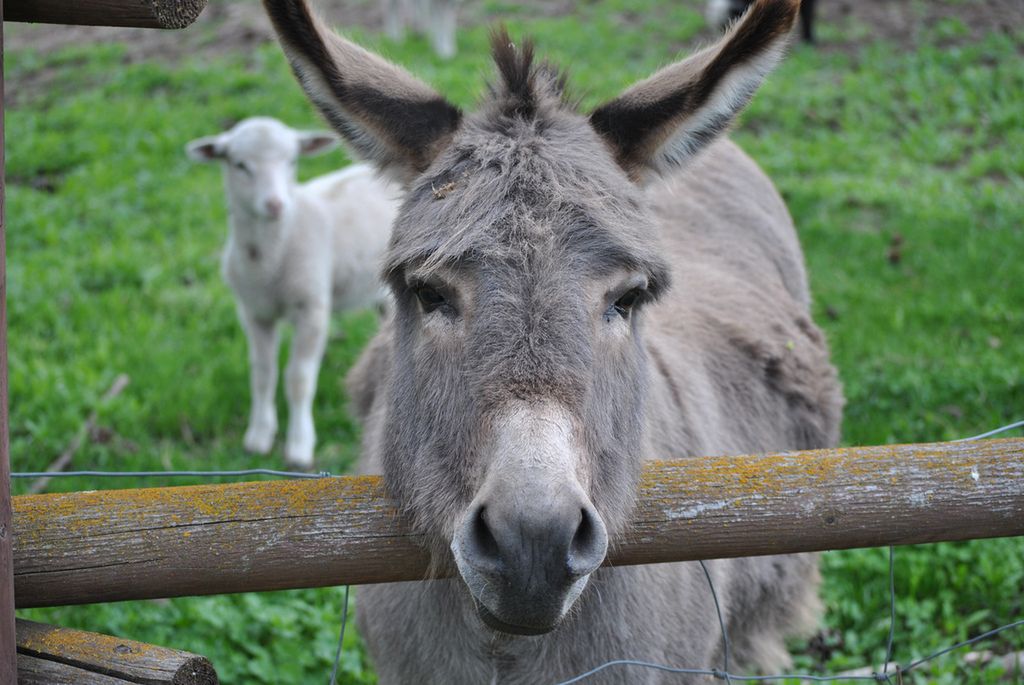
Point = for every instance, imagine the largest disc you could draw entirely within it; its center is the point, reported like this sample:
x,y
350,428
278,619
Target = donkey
x,y
574,294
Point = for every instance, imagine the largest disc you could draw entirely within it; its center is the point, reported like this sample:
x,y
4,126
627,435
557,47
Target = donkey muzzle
x,y
526,553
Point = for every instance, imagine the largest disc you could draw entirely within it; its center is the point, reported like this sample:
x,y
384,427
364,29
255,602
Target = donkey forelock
x,y
526,173
524,84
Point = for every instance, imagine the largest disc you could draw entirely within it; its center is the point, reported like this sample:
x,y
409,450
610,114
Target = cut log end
x,y
196,671
176,14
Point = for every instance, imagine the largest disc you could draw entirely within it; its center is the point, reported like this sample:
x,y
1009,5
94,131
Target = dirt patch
x,y
223,26
906,21
231,25
42,181
227,25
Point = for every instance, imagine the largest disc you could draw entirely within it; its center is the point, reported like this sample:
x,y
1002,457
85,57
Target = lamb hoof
x,y
299,456
259,439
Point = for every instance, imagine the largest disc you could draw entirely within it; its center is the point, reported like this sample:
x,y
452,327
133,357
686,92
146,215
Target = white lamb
x,y
294,252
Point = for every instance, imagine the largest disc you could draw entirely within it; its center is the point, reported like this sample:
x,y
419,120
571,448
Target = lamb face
x,y
260,156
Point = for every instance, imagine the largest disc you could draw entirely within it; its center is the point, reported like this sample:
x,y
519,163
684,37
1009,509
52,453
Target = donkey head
x,y
521,263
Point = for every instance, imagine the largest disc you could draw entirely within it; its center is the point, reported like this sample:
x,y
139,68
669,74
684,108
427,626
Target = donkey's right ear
x,y
388,116
206,149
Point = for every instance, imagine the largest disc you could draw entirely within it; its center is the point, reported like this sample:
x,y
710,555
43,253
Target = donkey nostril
x,y
482,538
584,537
589,544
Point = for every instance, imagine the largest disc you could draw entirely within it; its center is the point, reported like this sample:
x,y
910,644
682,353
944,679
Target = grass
x,y
903,169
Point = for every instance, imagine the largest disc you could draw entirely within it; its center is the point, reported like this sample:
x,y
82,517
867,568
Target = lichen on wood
x,y
73,548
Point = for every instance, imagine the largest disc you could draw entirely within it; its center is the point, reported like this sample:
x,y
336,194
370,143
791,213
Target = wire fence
x,y
724,674
171,474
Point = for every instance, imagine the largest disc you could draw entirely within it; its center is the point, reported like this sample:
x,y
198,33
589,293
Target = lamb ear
x,y
388,117
662,122
316,143
206,149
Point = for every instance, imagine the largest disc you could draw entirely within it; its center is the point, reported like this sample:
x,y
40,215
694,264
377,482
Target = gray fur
x,y
530,223
726,362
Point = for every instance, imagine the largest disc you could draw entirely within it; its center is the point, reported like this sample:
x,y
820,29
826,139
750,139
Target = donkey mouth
x,y
496,623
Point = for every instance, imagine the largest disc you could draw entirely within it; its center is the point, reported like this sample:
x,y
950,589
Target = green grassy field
x,y
904,170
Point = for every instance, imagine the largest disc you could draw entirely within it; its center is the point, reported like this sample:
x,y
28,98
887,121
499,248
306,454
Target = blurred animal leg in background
x,y
807,20
440,24
435,19
263,339
311,325
397,16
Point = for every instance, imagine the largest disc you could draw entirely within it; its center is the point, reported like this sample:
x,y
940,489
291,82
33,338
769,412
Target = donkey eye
x,y
624,305
429,298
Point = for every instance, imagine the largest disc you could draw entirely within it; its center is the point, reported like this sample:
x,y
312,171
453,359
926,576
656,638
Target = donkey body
x,y
734,367
538,355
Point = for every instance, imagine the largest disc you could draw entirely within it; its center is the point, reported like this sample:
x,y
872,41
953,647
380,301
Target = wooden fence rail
x,y
104,546
153,14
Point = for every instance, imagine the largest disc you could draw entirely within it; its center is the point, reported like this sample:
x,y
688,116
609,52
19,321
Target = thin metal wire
x,y
642,664
884,676
724,674
958,645
721,623
341,637
720,675
997,431
293,474
892,609
171,474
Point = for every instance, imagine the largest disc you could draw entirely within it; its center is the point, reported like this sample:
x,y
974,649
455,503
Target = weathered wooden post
x,y
8,664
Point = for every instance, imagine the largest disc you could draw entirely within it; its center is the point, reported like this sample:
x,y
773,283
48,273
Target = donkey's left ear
x,y
388,116
662,122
